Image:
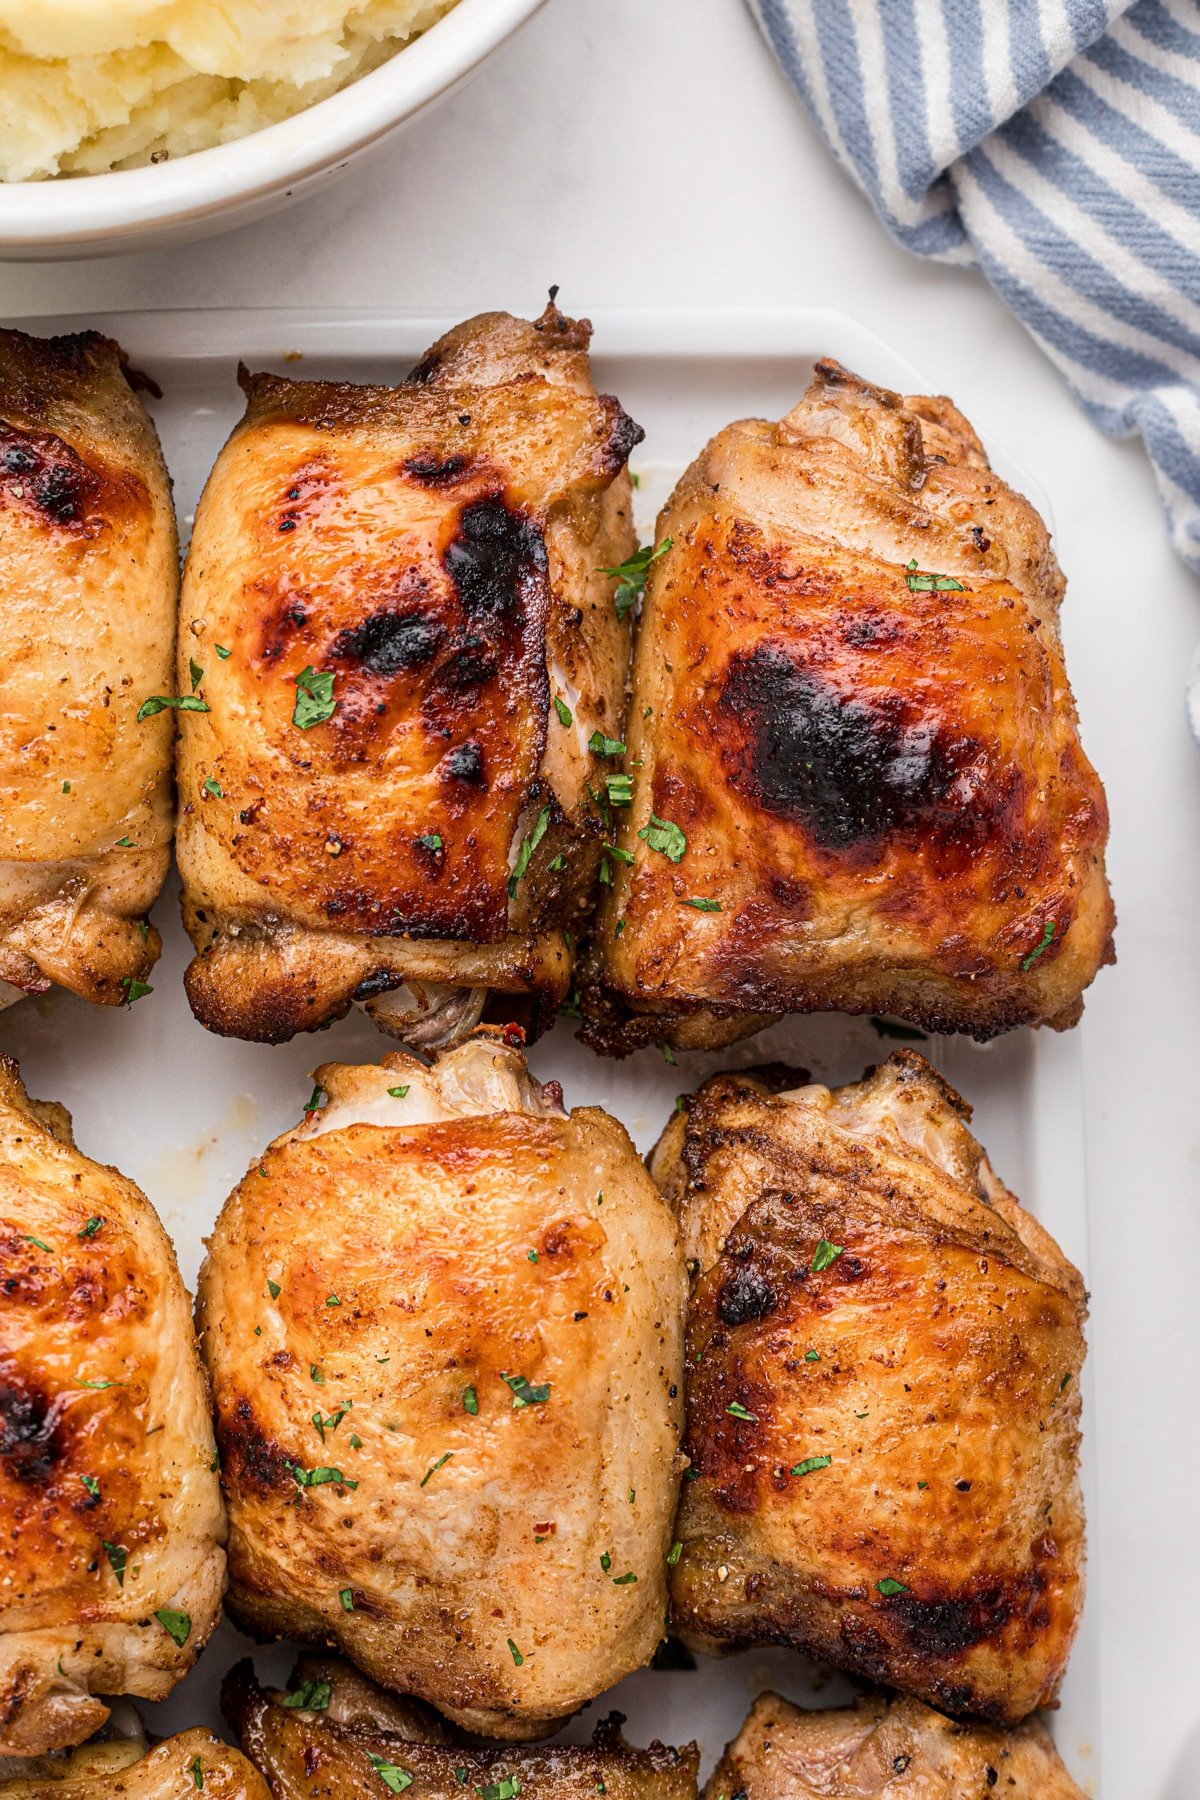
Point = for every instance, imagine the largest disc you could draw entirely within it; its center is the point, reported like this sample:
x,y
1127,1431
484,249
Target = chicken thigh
x,y
444,1320
178,1769
398,618
857,782
883,1394
312,1748
89,576
897,1750
111,1560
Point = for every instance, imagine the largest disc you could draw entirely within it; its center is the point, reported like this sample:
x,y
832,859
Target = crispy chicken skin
x,y
324,1753
438,550
849,697
883,1397
471,1315
897,1750
126,1770
89,576
111,1507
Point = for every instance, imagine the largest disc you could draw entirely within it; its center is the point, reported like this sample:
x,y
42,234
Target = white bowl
x,y
193,196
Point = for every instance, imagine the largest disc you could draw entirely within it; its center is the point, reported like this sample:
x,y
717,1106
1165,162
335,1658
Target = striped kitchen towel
x,y
1055,144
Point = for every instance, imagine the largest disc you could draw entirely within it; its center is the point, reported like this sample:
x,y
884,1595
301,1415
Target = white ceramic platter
x,y
185,1113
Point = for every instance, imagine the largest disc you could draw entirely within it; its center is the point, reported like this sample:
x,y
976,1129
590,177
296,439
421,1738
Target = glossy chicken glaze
x,y
849,697
178,1769
866,1291
461,1310
89,573
437,550
335,1753
896,1750
108,1493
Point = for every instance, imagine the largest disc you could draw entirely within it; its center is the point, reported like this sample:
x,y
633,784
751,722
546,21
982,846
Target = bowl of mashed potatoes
x,y
128,121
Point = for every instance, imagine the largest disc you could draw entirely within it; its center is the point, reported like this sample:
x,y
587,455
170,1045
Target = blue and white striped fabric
x,y
1055,144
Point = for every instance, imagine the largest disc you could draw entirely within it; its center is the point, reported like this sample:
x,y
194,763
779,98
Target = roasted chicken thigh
x,y
89,576
111,1560
857,782
178,1769
396,614
444,1323
883,1393
896,1750
335,1751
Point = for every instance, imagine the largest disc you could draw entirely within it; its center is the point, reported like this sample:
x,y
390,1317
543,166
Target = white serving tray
x,y
185,1113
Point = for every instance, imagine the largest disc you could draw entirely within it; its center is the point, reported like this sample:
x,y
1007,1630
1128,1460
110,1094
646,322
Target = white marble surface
x,y
646,152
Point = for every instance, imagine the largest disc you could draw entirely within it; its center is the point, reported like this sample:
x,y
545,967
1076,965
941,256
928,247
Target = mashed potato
x,y
87,85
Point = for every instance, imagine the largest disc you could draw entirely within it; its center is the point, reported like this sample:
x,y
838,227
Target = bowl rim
x,y
87,207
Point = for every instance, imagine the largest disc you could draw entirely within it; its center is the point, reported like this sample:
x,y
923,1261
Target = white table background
x,y
647,152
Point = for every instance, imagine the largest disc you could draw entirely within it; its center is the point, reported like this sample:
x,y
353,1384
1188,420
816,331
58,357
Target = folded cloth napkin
x,y
1055,144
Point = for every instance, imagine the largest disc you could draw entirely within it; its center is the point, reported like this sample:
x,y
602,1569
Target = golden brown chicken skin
x,y
177,1769
857,780
111,1563
444,1324
883,1393
89,577
897,1749
407,641
340,1753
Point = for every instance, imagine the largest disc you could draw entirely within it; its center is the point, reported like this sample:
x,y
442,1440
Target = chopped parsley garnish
x,y
331,1421
826,1254
533,1256
1065,1382
674,1553
904,1034
560,862
134,989
532,840
346,1596
619,789
316,1099
810,1463
394,1778
704,905
196,1770
563,710
310,1696
66,787
889,1587
332,1300
400,1093
355,1441
322,1477
274,1289
126,843
158,703
92,1485
176,1624
317,1374
470,1401
625,1580
668,1055
599,745
812,1356
516,1654
1027,962
314,698
222,652
118,1556
214,788
433,1468
739,1412
508,1789
38,1244
196,673
931,584
429,840
625,856
666,838
525,1395
605,872
99,1384
605,1561
631,576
